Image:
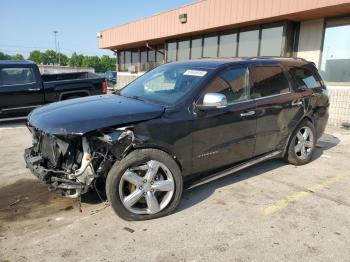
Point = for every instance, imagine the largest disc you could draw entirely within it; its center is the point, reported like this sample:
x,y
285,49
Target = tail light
x,y
104,87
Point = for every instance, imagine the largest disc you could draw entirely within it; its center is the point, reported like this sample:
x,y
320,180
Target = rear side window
x,y
16,76
305,77
269,80
233,83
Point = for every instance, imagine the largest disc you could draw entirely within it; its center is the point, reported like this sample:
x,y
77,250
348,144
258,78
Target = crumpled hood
x,y
83,115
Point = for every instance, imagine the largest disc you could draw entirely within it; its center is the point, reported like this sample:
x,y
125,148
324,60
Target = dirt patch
x,y
29,199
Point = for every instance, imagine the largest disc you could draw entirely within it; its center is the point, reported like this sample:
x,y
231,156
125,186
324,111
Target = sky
x,y
26,25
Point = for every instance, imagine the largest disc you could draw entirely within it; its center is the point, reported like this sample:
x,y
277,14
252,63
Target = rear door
x,y
20,91
278,108
224,136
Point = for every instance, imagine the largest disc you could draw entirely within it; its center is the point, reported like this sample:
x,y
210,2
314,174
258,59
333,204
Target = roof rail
x,y
277,57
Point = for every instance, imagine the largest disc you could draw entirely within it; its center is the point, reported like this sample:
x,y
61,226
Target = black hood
x,y
83,115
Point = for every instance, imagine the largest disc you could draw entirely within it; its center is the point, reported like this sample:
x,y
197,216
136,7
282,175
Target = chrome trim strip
x,y
16,108
235,169
12,118
263,97
255,99
30,83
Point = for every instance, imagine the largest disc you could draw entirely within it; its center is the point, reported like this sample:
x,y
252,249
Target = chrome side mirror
x,y
213,100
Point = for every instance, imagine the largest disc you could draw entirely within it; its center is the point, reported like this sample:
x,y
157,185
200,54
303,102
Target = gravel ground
x,y
270,212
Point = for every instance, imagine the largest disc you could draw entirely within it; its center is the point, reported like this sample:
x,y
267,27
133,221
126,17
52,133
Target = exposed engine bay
x,y
74,164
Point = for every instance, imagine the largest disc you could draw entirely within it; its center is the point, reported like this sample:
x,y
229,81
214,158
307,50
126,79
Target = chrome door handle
x,y
297,103
250,113
34,89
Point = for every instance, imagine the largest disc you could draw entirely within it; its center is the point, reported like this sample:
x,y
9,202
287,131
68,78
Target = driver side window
x,y
233,83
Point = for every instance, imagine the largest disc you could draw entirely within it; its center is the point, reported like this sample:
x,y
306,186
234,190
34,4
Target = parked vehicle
x,y
22,88
111,77
180,123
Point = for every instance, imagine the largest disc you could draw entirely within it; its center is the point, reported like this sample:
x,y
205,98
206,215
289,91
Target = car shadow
x,y
196,195
13,124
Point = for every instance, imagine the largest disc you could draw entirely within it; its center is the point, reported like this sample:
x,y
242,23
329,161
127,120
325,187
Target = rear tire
x,y
146,184
302,144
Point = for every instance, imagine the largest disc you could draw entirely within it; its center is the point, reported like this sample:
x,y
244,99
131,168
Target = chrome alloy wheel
x,y
304,143
147,188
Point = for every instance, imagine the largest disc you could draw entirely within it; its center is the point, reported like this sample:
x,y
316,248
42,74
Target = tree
x,y
76,60
17,57
35,56
93,61
63,59
107,63
49,57
4,56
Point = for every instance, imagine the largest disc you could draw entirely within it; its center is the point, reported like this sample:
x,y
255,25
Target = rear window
x,y
16,76
268,80
305,77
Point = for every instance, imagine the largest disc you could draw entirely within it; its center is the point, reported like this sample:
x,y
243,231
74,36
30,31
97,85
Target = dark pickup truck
x,y
23,88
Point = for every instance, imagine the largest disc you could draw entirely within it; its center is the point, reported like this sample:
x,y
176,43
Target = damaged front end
x,y
73,164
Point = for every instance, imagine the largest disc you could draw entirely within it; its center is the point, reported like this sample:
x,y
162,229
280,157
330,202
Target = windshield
x,y
166,84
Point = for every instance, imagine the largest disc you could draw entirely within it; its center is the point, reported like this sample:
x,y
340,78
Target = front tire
x,y
302,144
146,184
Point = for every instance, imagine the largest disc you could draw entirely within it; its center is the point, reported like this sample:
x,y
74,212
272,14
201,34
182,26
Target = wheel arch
x,y
306,117
152,146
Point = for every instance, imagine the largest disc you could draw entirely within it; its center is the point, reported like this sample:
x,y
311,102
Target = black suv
x,y
179,124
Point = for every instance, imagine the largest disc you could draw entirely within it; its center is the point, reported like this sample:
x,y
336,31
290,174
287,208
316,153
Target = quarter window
x,y
269,80
16,76
233,83
304,77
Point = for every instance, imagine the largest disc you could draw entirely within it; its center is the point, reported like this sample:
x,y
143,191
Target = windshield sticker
x,y
199,73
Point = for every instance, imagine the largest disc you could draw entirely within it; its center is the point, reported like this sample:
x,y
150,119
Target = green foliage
x,y
48,58
11,57
100,64
35,56
76,60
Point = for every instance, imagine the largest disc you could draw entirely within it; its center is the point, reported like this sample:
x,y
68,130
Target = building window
x,y
127,60
196,48
228,45
171,51
271,41
143,63
183,50
160,55
265,40
210,46
248,43
135,57
335,61
121,67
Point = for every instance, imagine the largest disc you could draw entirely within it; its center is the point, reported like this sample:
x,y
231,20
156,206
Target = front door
x,y
224,136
